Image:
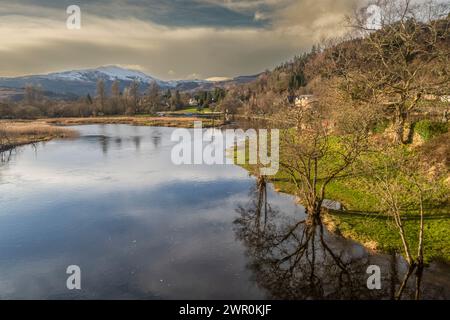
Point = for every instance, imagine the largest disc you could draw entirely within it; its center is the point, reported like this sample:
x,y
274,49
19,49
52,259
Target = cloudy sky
x,y
169,39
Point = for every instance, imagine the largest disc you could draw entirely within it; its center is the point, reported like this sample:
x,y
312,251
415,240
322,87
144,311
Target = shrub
x,y
380,126
428,129
437,151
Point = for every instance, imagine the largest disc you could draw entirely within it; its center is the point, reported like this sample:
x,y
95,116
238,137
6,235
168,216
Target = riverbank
x,y
362,221
176,122
17,133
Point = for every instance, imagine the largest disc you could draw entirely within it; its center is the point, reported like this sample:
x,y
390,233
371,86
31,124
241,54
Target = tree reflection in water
x,y
5,156
156,138
294,259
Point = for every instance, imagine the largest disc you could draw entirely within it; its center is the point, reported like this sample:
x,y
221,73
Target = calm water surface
x,y
140,227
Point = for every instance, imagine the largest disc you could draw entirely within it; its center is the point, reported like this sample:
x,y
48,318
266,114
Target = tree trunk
x,y
410,271
399,126
420,264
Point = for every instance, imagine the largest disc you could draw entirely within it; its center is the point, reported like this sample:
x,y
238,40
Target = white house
x,y
193,102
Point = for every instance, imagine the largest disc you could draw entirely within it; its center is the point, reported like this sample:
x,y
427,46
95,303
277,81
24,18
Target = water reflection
x,y
5,156
137,142
118,142
156,138
136,224
105,141
142,227
296,258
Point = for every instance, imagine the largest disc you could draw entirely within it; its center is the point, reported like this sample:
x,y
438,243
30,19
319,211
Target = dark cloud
x,y
166,12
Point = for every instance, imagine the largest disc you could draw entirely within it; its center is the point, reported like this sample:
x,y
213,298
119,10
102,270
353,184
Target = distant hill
x,y
17,94
74,83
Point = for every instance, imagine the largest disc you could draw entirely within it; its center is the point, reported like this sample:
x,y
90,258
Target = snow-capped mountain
x,y
77,83
106,73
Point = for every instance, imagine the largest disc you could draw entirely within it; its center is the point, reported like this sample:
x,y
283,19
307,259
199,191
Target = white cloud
x,y
259,16
218,79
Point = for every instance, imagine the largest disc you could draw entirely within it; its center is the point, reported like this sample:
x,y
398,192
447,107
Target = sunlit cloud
x,y
35,38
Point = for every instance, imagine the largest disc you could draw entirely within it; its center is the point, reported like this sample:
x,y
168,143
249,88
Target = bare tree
x,y
399,59
133,96
313,155
230,104
403,188
292,259
115,98
33,94
101,96
153,97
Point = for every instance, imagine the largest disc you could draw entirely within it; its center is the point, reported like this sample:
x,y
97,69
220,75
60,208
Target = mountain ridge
x,y
72,83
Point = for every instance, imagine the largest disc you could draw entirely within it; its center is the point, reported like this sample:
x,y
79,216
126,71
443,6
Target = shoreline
x,y
14,134
367,228
24,142
151,121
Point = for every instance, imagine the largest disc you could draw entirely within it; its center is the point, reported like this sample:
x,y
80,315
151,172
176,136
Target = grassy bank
x,y
178,122
15,133
363,222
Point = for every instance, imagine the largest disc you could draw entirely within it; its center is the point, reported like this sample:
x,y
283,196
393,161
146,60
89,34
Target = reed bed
x,y
13,134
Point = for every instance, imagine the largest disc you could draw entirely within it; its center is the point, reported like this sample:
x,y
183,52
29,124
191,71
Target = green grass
x,y
381,126
193,110
363,222
428,129
380,229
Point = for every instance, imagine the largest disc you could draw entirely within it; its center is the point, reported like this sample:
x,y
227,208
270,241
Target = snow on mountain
x,y
124,74
110,73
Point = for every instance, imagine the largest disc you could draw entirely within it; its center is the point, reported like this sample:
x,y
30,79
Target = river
x,y
140,227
